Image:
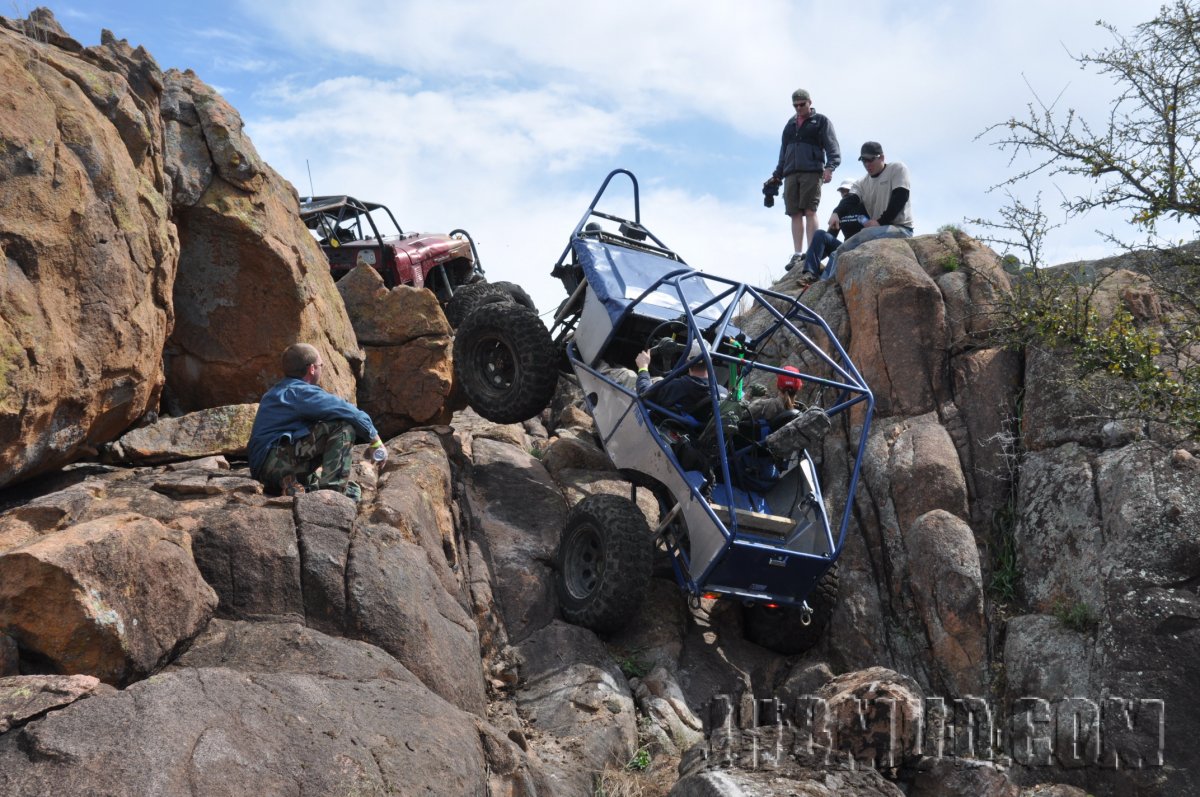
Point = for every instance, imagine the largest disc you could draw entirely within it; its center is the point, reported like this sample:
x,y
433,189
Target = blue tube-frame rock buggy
x,y
750,521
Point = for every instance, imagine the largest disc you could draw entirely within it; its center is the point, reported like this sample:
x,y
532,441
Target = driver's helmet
x,y
789,384
695,350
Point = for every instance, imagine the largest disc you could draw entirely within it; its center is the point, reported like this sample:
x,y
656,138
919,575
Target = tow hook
x,y
805,614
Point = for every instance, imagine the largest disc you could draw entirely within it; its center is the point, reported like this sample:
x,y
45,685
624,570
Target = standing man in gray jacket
x,y
807,157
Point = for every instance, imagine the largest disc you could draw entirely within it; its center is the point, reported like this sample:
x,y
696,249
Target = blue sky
x,y
503,118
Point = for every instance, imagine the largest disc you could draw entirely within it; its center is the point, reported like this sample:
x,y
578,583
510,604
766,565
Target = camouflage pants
x,y
326,448
804,432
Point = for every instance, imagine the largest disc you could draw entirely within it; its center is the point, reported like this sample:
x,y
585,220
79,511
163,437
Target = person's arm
x,y
896,203
833,152
643,371
316,404
777,175
372,453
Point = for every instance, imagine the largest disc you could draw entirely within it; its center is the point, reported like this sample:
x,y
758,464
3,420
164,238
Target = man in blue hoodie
x,y
302,435
808,155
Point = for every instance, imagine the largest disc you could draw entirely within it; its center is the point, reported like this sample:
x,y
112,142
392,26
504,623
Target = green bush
x,y
640,761
631,662
1078,616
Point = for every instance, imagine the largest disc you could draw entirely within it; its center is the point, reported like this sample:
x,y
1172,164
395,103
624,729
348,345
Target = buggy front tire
x,y
518,295
604,563
468,297
782,630
505,362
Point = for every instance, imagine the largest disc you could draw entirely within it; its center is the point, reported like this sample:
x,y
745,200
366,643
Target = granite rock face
x,y
137,224
408,378
87,249
242,245
1012,548
115,598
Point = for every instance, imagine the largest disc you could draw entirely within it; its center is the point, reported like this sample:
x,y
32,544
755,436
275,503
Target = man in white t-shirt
x,y
885,195
884,191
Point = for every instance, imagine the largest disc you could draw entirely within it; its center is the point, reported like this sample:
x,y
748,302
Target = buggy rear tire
x,y
781,630
518,295
505,362
604,563
476,294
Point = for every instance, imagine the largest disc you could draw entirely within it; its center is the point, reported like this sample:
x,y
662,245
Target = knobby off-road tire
x,y
468,297
505,362
604,562
518,295
780,629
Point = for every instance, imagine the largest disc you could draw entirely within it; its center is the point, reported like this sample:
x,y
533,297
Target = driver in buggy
x,y
687,395
761,437
683,393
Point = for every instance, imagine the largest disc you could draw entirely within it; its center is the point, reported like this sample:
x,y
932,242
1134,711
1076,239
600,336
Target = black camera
x,y
770,191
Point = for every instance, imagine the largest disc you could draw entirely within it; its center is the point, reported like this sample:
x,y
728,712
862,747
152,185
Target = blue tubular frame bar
x,y
602,258
641,408
853,390
637,216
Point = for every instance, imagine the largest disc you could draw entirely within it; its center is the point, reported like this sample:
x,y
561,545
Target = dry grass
x,y
655,781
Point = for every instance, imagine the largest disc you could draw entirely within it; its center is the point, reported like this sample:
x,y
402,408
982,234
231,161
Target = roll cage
x,y
728,534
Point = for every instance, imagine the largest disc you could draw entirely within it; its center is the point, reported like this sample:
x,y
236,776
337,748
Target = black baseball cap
x,y
871,149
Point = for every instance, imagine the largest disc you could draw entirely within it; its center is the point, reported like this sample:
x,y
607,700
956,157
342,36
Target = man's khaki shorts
x,y
801,192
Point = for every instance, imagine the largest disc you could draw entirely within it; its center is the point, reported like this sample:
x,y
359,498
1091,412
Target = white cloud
x,y
381,121
503,118
659,59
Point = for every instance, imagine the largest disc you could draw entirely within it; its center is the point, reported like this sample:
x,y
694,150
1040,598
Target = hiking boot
x,y
808,278
795,261
354,491
290,485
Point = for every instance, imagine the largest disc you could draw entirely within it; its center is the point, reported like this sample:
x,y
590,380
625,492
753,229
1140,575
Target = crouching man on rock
x,y
302,434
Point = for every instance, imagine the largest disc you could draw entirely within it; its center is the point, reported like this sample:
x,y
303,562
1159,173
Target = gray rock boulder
x,y
89,250
408,377
574,696
900,339
220,431
240,230
397,602
740,783
947,586
517,513
115,598
221,731
26,697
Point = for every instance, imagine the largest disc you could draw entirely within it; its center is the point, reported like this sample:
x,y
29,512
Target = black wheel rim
x,y
497,363
585,562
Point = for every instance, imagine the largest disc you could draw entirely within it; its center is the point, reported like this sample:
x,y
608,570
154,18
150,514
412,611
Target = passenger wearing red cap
x,y
794,426
789,384
787,388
